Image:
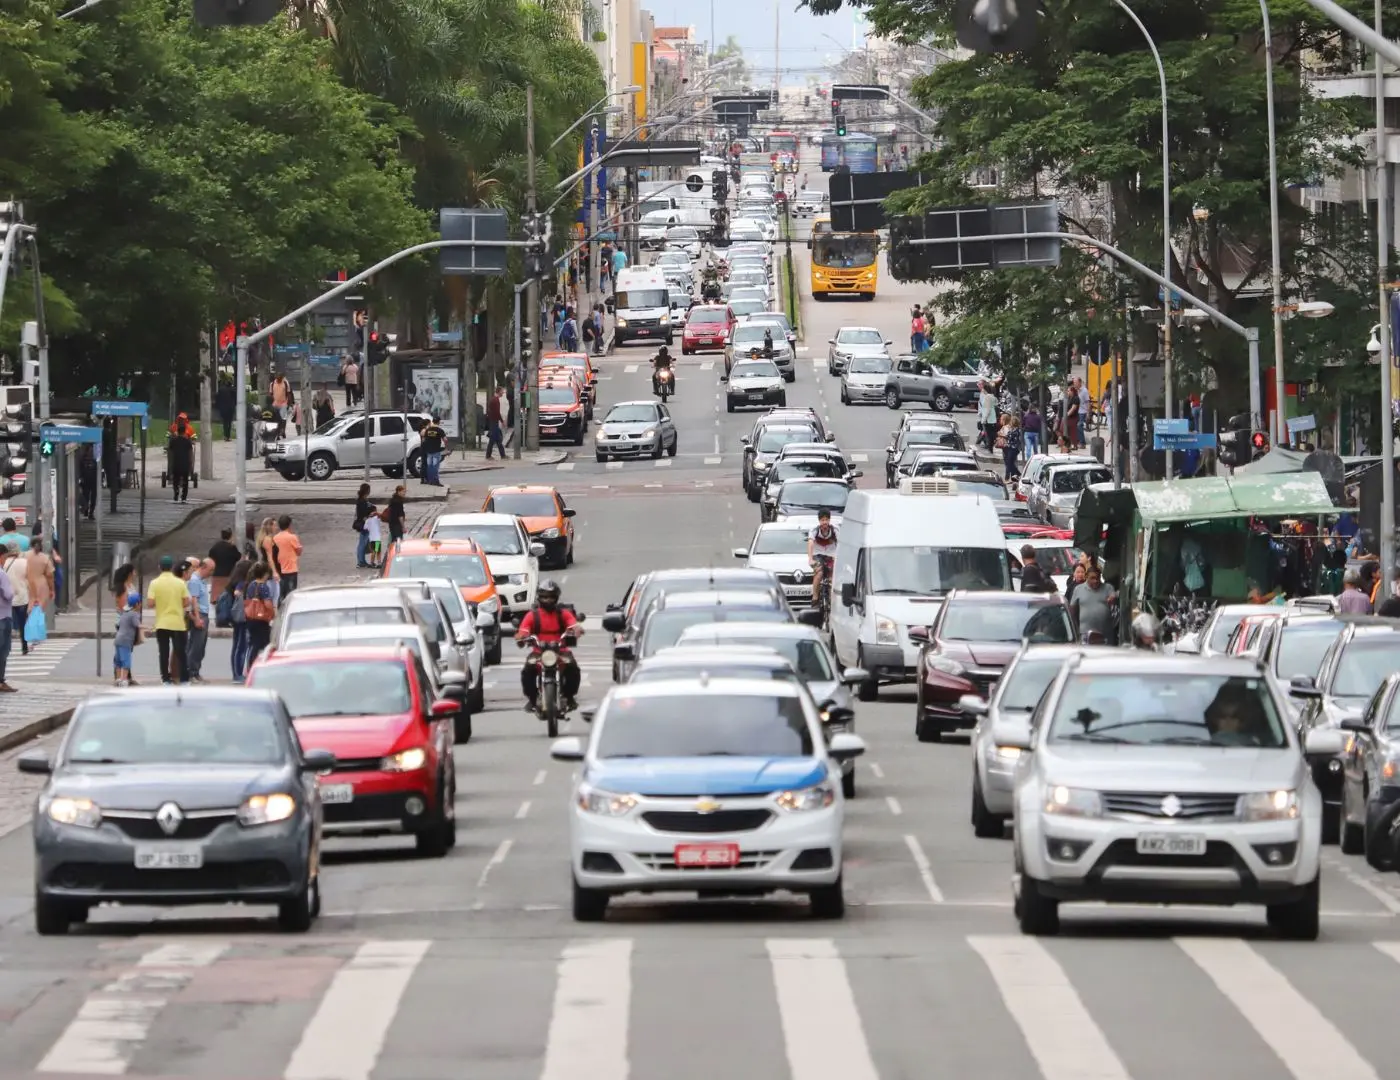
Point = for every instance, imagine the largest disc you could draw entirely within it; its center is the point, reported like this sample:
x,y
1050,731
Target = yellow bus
x,y
843,263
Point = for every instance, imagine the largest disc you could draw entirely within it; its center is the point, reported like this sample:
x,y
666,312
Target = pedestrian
x,y
511,398
1010,438
1091,606
1353,601
226,405
433,437
128,636
280,390
590,332
6,630
87,482
364,512
396,512
265,550
1069,418
198,623
568,332
1031,425
237,583
43,583
599,315
374,545
619,263
16,568
1033,578
323,407
286,545
918,331
169,595
986,415
180,448
1082,391
349,378
225,554
12,533
260,597
111,460
494,436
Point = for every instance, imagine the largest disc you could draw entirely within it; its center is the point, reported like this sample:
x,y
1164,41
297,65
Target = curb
x,y
34,728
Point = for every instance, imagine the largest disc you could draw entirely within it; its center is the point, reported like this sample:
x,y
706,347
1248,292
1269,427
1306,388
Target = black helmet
x,y
548,592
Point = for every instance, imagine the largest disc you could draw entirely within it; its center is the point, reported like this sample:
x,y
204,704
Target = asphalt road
x,y
471,967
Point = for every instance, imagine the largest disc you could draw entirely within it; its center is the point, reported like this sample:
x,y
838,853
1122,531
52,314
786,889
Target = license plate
x,y
707,855
169,858
797,590
643,333
756,395
337,793
1170,844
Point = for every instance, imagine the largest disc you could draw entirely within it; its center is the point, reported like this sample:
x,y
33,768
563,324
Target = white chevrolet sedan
x,y
711,786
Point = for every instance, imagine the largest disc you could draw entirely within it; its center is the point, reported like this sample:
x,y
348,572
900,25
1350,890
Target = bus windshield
x,y
845,250
780,142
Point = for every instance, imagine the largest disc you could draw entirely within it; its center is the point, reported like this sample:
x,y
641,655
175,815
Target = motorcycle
x,y
663,383
547,657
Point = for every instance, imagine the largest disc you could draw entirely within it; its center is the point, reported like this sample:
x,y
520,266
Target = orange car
x,y
583,365
546,518
461,560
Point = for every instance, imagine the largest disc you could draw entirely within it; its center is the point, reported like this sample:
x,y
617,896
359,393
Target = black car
x,y
178,796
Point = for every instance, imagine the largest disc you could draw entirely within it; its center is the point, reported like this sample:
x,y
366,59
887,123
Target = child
x,y
128,637
374,548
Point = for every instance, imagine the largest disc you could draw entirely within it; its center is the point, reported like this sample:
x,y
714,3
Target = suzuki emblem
x,y
169,818
707,806
1171,806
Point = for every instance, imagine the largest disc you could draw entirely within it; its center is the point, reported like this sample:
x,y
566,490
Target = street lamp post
x,y
1387,523
1277,426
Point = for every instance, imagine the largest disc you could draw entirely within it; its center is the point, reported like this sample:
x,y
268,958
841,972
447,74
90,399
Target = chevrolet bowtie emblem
x,y
707,806
1171,806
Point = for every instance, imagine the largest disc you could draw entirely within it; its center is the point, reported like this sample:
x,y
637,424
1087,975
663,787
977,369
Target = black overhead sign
x,y
857,199
641,153
859,92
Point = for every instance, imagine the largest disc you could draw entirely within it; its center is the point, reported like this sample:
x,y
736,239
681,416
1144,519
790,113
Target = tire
x,y
790,378
52,918
869,690
493,653
1331,824
848,784
569,555
782,401
604,457
476,698
828,901
941,402
320,466
578,439
892,398
685,351
985,824
434,841
296,915
728,405
1298,920
393,472
845,399
549,706
462,727
1036,914
657,452
1353,837
670,452
415,464
590,905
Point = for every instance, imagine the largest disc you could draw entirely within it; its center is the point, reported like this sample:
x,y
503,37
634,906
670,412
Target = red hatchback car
x,y
372,707
706,327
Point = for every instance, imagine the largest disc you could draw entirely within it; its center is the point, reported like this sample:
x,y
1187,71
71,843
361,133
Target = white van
x,y
642,304
899,553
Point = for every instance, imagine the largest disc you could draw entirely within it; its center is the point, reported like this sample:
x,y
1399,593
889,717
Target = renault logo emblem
x,y
169,817
707,806
1171,806
799,577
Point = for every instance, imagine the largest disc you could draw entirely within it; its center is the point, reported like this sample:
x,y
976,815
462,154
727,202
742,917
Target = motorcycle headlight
x,y
945,665
84,813
549,659
488,605
605,803
405,760
816,797
266,809
1269,806
1073,802
886,632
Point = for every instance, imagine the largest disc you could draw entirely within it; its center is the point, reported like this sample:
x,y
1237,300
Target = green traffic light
x,y
46,449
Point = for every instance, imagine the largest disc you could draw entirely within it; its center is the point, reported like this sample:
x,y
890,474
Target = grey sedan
x,y
171,797
863,379
634,428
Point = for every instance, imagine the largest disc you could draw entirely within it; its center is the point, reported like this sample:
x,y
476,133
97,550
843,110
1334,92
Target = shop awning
x,y
1213,497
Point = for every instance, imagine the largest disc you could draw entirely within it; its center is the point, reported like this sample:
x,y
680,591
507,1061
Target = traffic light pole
x,y
526,408
44,508
367,389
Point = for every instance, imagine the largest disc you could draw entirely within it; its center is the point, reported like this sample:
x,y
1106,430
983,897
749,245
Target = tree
x,y
733,79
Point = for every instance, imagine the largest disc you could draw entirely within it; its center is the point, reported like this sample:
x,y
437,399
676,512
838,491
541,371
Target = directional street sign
x,y
70,433
118,408
1171,427
1185,440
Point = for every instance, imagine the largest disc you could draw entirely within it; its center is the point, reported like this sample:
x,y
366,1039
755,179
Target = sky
x,y
807,43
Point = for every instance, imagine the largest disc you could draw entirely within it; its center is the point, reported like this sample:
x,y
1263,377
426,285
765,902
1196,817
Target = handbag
x,y
36,627
259,608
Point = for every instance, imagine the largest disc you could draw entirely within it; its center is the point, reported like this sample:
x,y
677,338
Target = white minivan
x,y
899,553
642,304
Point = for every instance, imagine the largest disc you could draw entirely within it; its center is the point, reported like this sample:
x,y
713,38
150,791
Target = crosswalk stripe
x,y
629,369
113,1022
662,463
821,1025
344,1038
592,1003
1061,1035
1308,1044
565,466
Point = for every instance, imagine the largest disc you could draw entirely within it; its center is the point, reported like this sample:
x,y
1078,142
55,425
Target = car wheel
x,y
1036,913
393,472
476,698
320,466
52,918
590,905
845,398
1331,823
942,402
601,456
1298,920
685,351
415,464
657,452
828,901
985,824
670,452
868,690
296,915
782,401
848,784
578,438
1353,837
462,727
493,652
790,378
728,405
892,398
433,842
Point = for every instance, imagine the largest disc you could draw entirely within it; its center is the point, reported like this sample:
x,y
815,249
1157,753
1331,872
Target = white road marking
x,y
894,806
707,365
712,460
592,1006
925,870
539,777
630,369
821,1025
1061,1035
614,465
1386,899
524,809
565,466
662,463
114,1021
876,771
860,457
502,850
601,487
802,349
1307,1043
344,1038
716,441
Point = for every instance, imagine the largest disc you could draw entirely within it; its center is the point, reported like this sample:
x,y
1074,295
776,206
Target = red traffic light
x,y
1260,440
374,337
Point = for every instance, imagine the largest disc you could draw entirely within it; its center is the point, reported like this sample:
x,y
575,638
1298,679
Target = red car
x,y
706,327
373,708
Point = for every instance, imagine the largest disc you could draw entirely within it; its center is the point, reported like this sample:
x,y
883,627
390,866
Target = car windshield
x,y
846,252
824,467
633,299
704,725
708,315
466,570
808,658
780,542
752,369
222,731
337,687
753,332
935,466
860,337
1067,481
724,669
664,628
986,488
631,414
330,618
870,365
1302,646
1026,683
685,235
1056,560
451,600
551,396
933,437
812,496
492,539
524,503
743,291
929,571
1224,627
673,258
977,620
774,439
1177,709
745,307
1364,663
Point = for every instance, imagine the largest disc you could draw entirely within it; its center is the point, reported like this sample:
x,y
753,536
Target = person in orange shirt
x,y
287,546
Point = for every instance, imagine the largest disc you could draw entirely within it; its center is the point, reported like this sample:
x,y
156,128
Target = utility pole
x,y
1387,529
208,375
526,408
44,508
367,388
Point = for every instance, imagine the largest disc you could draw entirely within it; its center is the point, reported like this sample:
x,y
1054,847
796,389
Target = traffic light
x,y
841,125
1233,450
527,345
535,258
378,348
835,107
235,12
1259,444
902,257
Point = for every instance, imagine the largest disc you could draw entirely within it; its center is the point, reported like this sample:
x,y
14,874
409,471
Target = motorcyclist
x,y
1146,631
821,551
662,361
548,622
768,343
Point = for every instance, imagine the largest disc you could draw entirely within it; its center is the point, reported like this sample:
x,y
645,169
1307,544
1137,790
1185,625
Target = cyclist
x,y
821,552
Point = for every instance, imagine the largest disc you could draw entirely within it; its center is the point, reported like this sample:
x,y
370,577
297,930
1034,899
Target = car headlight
x,y
405,760
1004,754
886,631
549,534
649,433
816,797
518,579
81,812
489,605
760,466
1269,806
600,435
946,665
266,809
606,803
665,319
1073,802
621,322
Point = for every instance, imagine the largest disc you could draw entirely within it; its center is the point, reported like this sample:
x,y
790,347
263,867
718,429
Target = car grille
x,y
1149,804
190,829
721,821
366,764
1125,853
215,877
790,578
666,860
643,322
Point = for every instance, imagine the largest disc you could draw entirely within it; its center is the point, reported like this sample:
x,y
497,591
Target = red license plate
x,y
643,333
692,856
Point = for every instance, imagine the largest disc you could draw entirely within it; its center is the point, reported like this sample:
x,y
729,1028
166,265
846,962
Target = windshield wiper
x,y
1089,736
97,761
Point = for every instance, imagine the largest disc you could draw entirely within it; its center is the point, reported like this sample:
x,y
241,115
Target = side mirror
x,y
38,763
831,341
313,761
1354,723
857,474
570,512
1323,742
830,436
1301,686
810,617
484,620
744,440
452,678
1021,739
741,553
569,748
853,676
454,694
848,594
443,709
918,633
624,650
846,745
614,622
537,549
889,449
972,704
724,378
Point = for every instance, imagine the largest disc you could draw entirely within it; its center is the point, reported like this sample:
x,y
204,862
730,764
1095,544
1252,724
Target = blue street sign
x,y
1187,440
77,433
1171,427
118,408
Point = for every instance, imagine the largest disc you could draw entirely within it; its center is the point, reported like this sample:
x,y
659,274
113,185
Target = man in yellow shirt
x,y
170,597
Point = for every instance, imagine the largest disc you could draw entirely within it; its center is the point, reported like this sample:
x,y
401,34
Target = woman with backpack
x,y
259,609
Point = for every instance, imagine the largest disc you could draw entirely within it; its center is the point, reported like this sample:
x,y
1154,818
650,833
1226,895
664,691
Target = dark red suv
x,y
972,639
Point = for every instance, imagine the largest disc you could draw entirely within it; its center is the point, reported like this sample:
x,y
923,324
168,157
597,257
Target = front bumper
x,y
652,332
556,548
382,802
890,663
513,597
942,694
697,344
259,865
626,446
745,399
570,427
864,391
